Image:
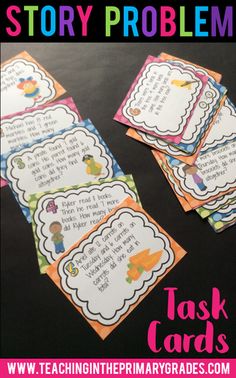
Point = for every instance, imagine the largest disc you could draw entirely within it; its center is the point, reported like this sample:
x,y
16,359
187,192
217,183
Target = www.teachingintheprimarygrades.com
x,y
119,368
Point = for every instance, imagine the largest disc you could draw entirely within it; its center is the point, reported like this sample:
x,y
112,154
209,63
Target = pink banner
x,y
117,368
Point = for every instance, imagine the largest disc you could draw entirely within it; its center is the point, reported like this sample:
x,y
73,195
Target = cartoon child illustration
x,y
192,170
29,87
134,111
57,238
93,168
183,83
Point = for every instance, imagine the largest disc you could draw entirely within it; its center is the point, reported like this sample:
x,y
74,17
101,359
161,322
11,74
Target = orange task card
x,y
206,71
111,269
25,84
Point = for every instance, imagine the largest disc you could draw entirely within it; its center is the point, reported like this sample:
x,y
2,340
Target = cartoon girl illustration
x,y
192,171
29,87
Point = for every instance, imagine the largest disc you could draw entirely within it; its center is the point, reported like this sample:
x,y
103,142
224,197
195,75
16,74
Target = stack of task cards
x,y
91,234
182,112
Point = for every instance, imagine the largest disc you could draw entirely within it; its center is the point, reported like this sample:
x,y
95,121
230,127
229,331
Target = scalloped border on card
x,y
139,269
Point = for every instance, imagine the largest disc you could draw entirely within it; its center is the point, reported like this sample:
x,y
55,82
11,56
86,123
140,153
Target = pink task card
x,y
23,127
162,99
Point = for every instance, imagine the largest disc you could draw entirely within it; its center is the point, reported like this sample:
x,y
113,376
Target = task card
x,y
108,272
61,217
212,206
223,130
192,149
200,123
26,84
160,87
174,186
225,217
24,127
71,156
212,175
203,115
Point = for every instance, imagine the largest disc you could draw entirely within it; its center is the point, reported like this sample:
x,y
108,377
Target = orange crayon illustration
x,y
143,261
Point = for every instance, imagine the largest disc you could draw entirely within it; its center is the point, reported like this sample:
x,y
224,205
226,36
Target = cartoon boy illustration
x,y
192,170
93,168
57,238
29,87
